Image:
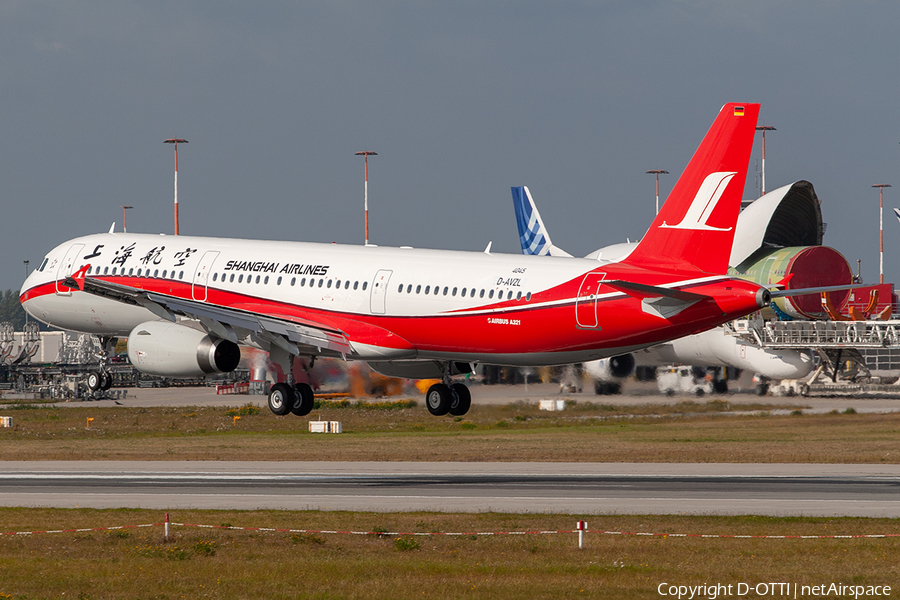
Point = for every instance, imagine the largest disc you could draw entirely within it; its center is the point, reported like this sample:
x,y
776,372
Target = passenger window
x,y
321,281
241,278
528,297
266,280
400,289
518,295
418,288
303,282
454,292
180,274
257,279
491,294
215,276
355,284
130,272
509,295
481,294
409,289
278,281
365,285
156,272
427,289
231,279
293,281
329,284
347,285
445,290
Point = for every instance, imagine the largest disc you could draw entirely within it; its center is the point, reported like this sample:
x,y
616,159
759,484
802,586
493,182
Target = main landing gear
x,y
446,397
297,399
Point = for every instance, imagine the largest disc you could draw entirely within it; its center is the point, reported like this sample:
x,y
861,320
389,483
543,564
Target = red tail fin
x,y
695,228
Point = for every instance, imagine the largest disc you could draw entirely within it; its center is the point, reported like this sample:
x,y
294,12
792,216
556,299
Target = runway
x,y
570,488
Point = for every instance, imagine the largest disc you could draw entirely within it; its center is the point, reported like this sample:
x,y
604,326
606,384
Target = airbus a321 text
x,y
186,303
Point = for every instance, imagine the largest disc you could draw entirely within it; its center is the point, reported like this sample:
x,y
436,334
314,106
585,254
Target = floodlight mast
x,y
657,172
881,187
762,177
176,141
125,209
365,154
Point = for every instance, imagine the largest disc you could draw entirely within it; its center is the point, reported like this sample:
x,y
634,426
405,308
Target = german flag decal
x,y
739,111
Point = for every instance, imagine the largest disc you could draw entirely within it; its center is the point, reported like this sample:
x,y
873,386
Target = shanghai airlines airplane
x,y
185,303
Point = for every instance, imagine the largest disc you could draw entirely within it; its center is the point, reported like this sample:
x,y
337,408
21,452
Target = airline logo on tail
x,y
704,203
533,235
529,227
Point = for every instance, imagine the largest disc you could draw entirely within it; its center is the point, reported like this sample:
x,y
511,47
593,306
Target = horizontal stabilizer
x,y
643,291
659,301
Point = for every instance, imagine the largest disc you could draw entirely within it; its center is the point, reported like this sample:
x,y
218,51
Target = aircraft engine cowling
x,y
171,350
616,367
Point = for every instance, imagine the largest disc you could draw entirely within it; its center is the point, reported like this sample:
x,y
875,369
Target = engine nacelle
x,y
616,367
172,350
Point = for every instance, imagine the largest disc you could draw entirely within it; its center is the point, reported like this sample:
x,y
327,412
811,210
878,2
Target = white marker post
x,y
581,526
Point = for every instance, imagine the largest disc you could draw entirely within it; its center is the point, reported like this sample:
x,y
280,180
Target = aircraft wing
x,y
290,333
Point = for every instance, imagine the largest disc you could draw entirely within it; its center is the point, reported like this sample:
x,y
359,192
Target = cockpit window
x,y
43,264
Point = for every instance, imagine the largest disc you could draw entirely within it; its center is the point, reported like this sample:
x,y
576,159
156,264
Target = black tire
x,y
438,399
105,380
303,405
762,389
94,381
281,399
462,400
720,386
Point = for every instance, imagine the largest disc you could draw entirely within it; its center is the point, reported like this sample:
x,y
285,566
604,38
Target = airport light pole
x,y
881,187
762,177
26,277
176,141
365,154
657,172
125,209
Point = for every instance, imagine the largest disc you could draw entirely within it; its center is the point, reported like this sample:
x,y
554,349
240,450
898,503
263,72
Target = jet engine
x,y
172,350
616,367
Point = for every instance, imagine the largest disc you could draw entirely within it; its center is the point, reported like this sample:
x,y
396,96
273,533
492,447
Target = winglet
x,y
78,277
694,230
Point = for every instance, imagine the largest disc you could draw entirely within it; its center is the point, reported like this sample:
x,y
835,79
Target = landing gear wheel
x,y
720,386
438,399
105,381
94,381
281,399
305,399
462,399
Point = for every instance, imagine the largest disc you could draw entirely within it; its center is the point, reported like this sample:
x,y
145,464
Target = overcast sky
x,y
461,100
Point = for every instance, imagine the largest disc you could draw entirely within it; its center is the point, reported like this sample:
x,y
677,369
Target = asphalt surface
x,y
589,488
571,488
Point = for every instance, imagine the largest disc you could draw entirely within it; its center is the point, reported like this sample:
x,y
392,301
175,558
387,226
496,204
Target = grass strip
x,y
228,563
487,433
